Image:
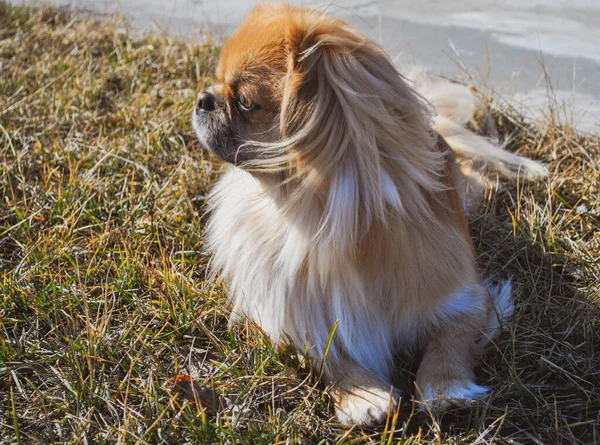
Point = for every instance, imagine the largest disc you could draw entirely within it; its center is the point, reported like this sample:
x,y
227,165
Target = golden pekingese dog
x,y
344,206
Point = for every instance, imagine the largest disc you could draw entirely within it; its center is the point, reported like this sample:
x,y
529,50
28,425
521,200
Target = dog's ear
x,y
328,63
354,121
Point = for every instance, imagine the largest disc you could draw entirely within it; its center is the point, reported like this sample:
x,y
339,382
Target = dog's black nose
x,y
206,102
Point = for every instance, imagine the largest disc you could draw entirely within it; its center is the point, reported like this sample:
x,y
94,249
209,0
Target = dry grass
x,y
105,313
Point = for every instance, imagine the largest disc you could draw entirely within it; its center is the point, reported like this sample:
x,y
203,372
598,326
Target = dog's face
x,y
244,106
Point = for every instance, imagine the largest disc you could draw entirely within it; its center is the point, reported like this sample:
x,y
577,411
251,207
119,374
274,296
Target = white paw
x,y
456,392
366,406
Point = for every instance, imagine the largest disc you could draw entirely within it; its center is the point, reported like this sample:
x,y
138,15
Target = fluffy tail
x,y
455,106
501,309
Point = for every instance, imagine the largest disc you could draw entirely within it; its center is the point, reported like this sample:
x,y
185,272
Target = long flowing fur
x,y
356,235
352,217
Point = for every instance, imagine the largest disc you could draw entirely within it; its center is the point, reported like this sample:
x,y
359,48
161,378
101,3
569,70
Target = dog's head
x,y
298,83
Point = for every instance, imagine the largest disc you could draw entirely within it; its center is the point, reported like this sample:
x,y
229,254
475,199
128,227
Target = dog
x,y
339,225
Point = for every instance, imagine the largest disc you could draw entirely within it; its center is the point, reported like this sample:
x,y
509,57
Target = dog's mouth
x,y
199,125
217,138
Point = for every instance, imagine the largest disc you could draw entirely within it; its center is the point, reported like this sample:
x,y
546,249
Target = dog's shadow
x,y
543,370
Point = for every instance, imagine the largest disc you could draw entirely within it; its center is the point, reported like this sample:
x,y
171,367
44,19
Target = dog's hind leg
x,y
446,374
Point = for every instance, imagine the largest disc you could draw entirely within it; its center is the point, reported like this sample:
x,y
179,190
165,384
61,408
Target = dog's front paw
x,y
365,406
437,396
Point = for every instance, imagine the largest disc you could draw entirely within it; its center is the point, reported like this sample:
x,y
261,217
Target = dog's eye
x,y
245,103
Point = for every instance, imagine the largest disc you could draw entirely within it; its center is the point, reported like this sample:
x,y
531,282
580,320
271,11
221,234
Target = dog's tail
x,y
456,106
500,310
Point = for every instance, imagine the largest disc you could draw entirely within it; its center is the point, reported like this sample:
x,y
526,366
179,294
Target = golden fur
x,y
344,205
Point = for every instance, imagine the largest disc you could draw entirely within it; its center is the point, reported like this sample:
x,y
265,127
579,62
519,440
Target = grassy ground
x,y
109,331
